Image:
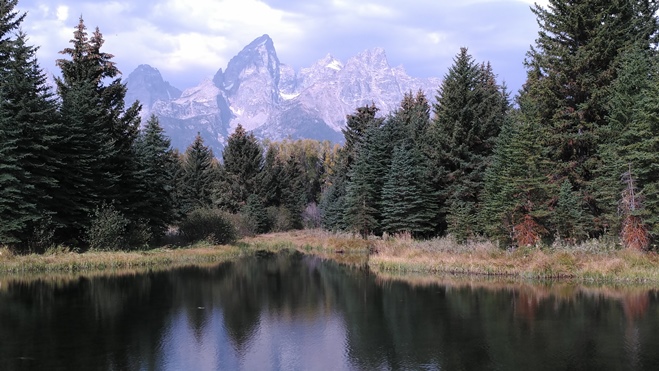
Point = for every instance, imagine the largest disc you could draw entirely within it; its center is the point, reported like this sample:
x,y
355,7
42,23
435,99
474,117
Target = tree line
x,y
574,156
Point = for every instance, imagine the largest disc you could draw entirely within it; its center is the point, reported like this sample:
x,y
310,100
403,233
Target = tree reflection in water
x,y
290,311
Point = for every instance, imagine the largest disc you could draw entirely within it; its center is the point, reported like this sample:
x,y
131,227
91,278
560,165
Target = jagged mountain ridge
x,y
272,99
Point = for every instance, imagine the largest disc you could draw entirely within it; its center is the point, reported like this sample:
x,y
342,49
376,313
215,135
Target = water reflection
x,y
290,311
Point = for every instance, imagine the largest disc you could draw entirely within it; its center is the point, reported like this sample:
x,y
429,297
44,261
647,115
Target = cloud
x,y
189,40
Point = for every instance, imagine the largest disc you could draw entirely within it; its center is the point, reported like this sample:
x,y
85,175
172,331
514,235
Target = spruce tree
x,y
516,187
470,110
293,195
363,191
333,197
200,173
100,132
242,165
570,70
154,178
631,140
270,180
407,199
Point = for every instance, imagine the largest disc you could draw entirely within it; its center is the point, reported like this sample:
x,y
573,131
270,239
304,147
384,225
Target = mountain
x,y
272,99
146,84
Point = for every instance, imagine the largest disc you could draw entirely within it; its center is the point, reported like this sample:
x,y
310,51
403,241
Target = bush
x,y
311,217
107,229
280,218
42,237
256,215
242,224
140,235
211,225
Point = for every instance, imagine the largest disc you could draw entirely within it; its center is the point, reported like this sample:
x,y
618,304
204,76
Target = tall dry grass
x,y
590,261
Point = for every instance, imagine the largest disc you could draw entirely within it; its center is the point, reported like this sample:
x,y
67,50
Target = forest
x,y
573,156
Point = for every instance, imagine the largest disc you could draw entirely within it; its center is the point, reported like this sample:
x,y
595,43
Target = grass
x,y
62,260
592,261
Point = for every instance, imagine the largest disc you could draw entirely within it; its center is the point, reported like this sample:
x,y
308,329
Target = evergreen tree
x,y
10,21
256,214
270,180
243,162
356,126
363,191
516,188
200,173
100,132
293,195
28,130
469,113
333,198
155,180
570,71
568,215
406,198
631,140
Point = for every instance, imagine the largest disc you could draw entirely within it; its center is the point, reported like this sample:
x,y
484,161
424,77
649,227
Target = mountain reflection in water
x,y
290,311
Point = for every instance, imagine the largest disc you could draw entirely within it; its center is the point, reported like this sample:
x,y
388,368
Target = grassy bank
x,y
94,261
593,261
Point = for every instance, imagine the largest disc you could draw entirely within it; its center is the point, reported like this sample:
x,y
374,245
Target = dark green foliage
x,y
200,173
570,70
270,186
256,215
10,20
407,198
332,204
469,113
294,196
362,209
631,140
210,225
98,135
28,130
334,201
155,179
515,184
107,229
568,217
243,162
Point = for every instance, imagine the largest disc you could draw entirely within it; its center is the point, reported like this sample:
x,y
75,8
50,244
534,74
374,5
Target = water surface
x,y
295,312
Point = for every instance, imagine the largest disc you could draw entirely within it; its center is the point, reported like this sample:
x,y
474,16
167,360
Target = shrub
x,y
280,218
211,225
139,235
242,224
42,237
256,215
107,230
311,217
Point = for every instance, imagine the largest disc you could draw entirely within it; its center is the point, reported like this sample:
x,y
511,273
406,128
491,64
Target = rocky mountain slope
x,y
272,99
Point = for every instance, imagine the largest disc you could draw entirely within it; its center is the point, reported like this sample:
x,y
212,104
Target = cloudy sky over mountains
x,y
188,40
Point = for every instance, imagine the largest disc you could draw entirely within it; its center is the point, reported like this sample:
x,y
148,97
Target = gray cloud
x,y
189,40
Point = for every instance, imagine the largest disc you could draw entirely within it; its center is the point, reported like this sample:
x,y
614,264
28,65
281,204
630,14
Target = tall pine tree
x,y
570,71
470,110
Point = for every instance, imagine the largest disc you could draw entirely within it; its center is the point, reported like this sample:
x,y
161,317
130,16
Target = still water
x,y
295,312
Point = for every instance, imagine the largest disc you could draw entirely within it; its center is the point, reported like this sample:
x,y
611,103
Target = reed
x,y
591,261
63,260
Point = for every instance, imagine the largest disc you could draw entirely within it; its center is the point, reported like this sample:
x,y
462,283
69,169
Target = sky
x,y
189,40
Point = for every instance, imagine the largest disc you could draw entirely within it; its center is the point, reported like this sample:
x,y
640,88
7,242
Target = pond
x,y
295,312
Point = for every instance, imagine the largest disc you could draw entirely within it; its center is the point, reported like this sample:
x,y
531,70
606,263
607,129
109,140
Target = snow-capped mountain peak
x,y
276,101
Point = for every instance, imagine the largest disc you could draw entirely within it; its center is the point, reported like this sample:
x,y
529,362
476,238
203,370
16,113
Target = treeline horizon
x,y
574,157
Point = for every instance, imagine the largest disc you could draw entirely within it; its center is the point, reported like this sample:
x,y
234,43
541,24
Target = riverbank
x,y
593,261
110,261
